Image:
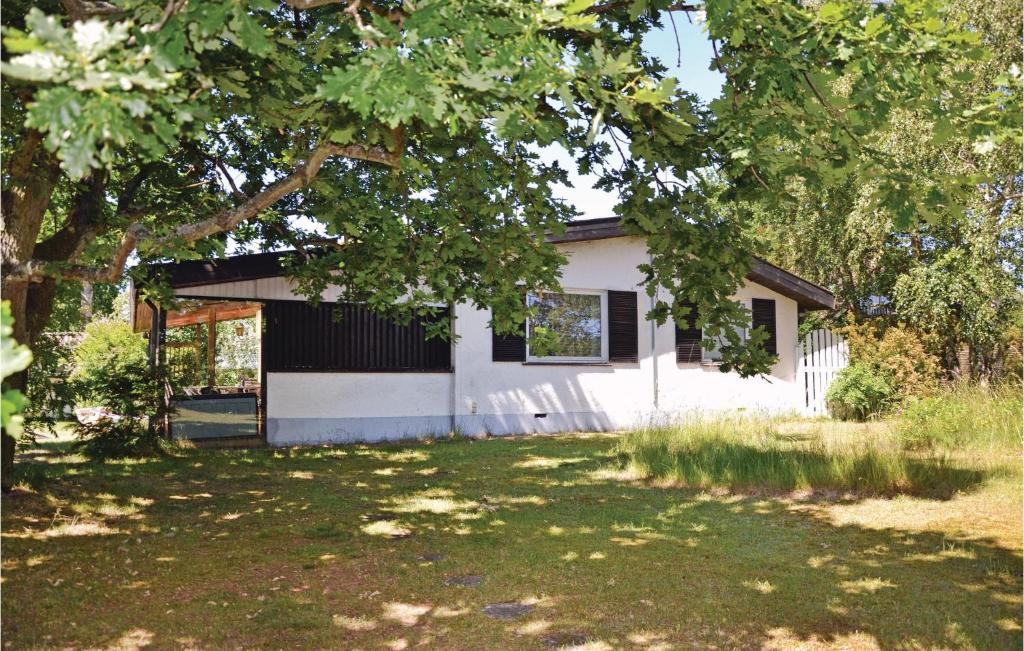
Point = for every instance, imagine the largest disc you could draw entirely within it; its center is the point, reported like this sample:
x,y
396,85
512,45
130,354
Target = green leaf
x,y
595,126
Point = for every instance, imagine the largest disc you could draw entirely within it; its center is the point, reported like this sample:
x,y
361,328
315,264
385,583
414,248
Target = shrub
x,y
968,416
112,371
858,393
50,393
106,347
904,356
133,394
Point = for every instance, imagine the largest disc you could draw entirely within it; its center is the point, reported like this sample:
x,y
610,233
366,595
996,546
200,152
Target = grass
x,y
939,446
969,419
351,547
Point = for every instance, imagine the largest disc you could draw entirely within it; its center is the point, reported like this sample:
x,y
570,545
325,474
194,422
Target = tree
x,y
14,358
410,131
952,271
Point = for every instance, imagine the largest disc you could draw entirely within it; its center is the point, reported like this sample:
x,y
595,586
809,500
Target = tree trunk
x,y
32,173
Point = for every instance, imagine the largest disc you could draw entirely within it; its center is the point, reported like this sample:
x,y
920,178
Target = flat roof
x,y
808,295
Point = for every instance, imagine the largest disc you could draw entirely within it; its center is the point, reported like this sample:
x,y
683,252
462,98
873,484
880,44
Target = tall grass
x,y
931,450
968,418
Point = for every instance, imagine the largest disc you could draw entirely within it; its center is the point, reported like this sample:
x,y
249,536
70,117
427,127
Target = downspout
x,y
452,394
654,332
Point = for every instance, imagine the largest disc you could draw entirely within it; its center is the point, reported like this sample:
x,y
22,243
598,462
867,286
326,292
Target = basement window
x,y
567,327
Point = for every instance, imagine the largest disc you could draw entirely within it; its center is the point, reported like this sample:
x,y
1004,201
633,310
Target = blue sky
x,y
694,55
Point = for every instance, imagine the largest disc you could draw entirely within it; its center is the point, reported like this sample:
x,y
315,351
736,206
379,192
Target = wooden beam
x,y
211,346
225,312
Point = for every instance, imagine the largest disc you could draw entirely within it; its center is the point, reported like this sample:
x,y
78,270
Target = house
x,y
363,378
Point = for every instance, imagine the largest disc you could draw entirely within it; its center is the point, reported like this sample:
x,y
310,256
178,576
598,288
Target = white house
x,y
362,378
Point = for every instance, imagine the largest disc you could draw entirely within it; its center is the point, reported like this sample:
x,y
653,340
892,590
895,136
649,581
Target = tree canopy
x,y
953,270
411,132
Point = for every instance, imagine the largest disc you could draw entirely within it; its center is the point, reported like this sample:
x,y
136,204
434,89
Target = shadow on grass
x,y
616,562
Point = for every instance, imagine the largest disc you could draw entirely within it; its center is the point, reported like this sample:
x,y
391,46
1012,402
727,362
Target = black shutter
x,y
622,327
763,315
508,348
688,337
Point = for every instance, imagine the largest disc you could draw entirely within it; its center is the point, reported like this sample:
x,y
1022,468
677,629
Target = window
x,y
715,354
567,327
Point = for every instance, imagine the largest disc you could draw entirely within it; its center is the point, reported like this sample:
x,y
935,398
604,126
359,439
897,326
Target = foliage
x,y
1010,354
965,301
413,131
761,454
238,356
50,391
112,371
134,394
859,392
14,357
107,349
950,270
73,308
902,355
967,416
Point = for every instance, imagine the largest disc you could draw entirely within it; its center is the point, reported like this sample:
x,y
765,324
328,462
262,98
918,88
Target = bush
x,y
858,393
133,394
968,416
50,393
112,371
106,347
904,356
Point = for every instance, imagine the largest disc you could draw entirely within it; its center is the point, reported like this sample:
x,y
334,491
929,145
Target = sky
x,y
694,56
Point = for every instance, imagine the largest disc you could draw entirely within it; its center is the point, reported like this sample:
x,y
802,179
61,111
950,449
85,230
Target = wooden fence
x,y
820,357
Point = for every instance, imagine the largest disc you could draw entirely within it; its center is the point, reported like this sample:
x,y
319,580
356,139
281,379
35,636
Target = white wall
x,y
305,408
513,397
276,288
504,396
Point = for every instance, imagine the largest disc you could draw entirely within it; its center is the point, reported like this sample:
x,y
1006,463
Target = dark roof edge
x,y
808,295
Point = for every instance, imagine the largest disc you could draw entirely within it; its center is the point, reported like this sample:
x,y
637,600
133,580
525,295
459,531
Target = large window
x,y
567,327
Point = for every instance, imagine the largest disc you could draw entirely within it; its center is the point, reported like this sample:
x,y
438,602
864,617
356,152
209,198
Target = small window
x,y
567,327
715,354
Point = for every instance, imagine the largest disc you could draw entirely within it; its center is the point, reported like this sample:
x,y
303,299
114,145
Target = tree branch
x,y
82,224
833,111
138,236
396,15
85,9
614,6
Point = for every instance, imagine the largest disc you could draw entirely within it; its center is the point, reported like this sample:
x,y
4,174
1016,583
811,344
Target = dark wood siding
x,y
623,324
347,337
688,338
763,314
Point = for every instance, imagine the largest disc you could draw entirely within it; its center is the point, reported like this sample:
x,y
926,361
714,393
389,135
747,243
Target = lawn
x,y
372,547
